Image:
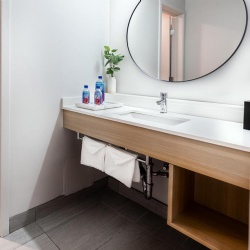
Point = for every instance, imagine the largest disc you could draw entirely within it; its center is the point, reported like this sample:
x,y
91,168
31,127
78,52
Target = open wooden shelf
x,y
209,211
212,229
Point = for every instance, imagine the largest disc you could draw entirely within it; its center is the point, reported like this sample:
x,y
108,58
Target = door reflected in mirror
x,y
184,40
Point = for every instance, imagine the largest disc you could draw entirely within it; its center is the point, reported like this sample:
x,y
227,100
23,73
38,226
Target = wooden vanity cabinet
x,y
208,197
210,211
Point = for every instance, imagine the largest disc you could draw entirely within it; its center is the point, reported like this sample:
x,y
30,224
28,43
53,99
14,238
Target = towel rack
x,y
146,173
78,136
81,138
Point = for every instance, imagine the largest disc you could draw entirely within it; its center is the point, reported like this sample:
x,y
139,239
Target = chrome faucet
x,y
163,102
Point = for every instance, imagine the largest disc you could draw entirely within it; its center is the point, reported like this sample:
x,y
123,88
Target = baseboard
x,y
22,220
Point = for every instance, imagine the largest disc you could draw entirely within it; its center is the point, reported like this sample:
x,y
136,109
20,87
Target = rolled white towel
x,y
93,153
122,165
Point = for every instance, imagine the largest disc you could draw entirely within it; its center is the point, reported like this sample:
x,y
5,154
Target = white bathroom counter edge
x,y
218,132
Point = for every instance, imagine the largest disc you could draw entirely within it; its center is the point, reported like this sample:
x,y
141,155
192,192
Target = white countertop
x,y
219,132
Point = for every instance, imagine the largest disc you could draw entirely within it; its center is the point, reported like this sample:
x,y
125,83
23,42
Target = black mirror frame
x,y
243,36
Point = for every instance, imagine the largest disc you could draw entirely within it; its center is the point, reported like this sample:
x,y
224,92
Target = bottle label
x,y
85,98
102,89
98,101
98,97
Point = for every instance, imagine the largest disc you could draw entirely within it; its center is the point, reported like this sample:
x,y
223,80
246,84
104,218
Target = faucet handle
x,y
163,102
163,95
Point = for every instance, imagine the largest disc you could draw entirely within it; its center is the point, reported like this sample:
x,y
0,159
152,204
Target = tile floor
x,y
104,220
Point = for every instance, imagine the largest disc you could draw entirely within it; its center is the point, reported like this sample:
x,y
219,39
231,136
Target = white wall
x,y
55,48
5,123
229,84
143,37
165,45
213,31
174,4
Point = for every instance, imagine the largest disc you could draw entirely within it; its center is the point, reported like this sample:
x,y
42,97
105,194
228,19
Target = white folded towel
x,y
122,165
93,153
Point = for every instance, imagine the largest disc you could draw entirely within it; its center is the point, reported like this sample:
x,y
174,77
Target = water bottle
x,y
100,83
98,96
85,95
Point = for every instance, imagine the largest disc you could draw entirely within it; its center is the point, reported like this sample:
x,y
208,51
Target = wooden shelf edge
x,y
182,229
212,229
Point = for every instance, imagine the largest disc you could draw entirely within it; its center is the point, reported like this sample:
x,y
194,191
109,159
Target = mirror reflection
x,y
181,40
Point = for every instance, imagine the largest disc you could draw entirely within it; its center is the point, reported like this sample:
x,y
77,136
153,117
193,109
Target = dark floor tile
x,y
155,245
129,236
42,242
87,231
133,211
172,238
151,222
151,204
105,233
130,209
109,196
113,184
72,209
50,207
100,219
98,188
25,234
190,244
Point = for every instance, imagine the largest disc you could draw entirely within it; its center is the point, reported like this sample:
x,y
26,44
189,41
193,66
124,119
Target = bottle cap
x,y
98,87
99,77
86,86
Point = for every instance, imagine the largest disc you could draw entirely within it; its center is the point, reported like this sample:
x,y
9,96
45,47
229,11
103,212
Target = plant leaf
x,y
109,71
107,62
107,48
112,60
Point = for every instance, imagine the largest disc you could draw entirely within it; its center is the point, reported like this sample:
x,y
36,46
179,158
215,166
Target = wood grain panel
x,y
218,162
222,197
209,227
212,229
180,191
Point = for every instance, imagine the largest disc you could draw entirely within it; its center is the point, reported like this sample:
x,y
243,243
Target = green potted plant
x,y
113,60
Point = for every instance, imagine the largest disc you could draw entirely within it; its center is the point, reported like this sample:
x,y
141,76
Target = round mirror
x,y
182,40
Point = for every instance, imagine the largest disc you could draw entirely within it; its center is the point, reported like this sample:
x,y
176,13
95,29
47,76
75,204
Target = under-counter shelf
x,y
210,227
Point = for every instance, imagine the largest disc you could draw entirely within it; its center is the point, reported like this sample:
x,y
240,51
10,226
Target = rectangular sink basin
x,y
153,118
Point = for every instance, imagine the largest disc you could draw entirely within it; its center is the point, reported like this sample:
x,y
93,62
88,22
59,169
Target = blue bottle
x,y
85,94
98,96
100,83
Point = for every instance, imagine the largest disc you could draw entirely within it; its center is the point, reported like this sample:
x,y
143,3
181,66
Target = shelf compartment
x,y
201,223
212,229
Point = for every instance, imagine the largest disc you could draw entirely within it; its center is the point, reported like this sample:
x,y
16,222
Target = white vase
x,y
112,85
